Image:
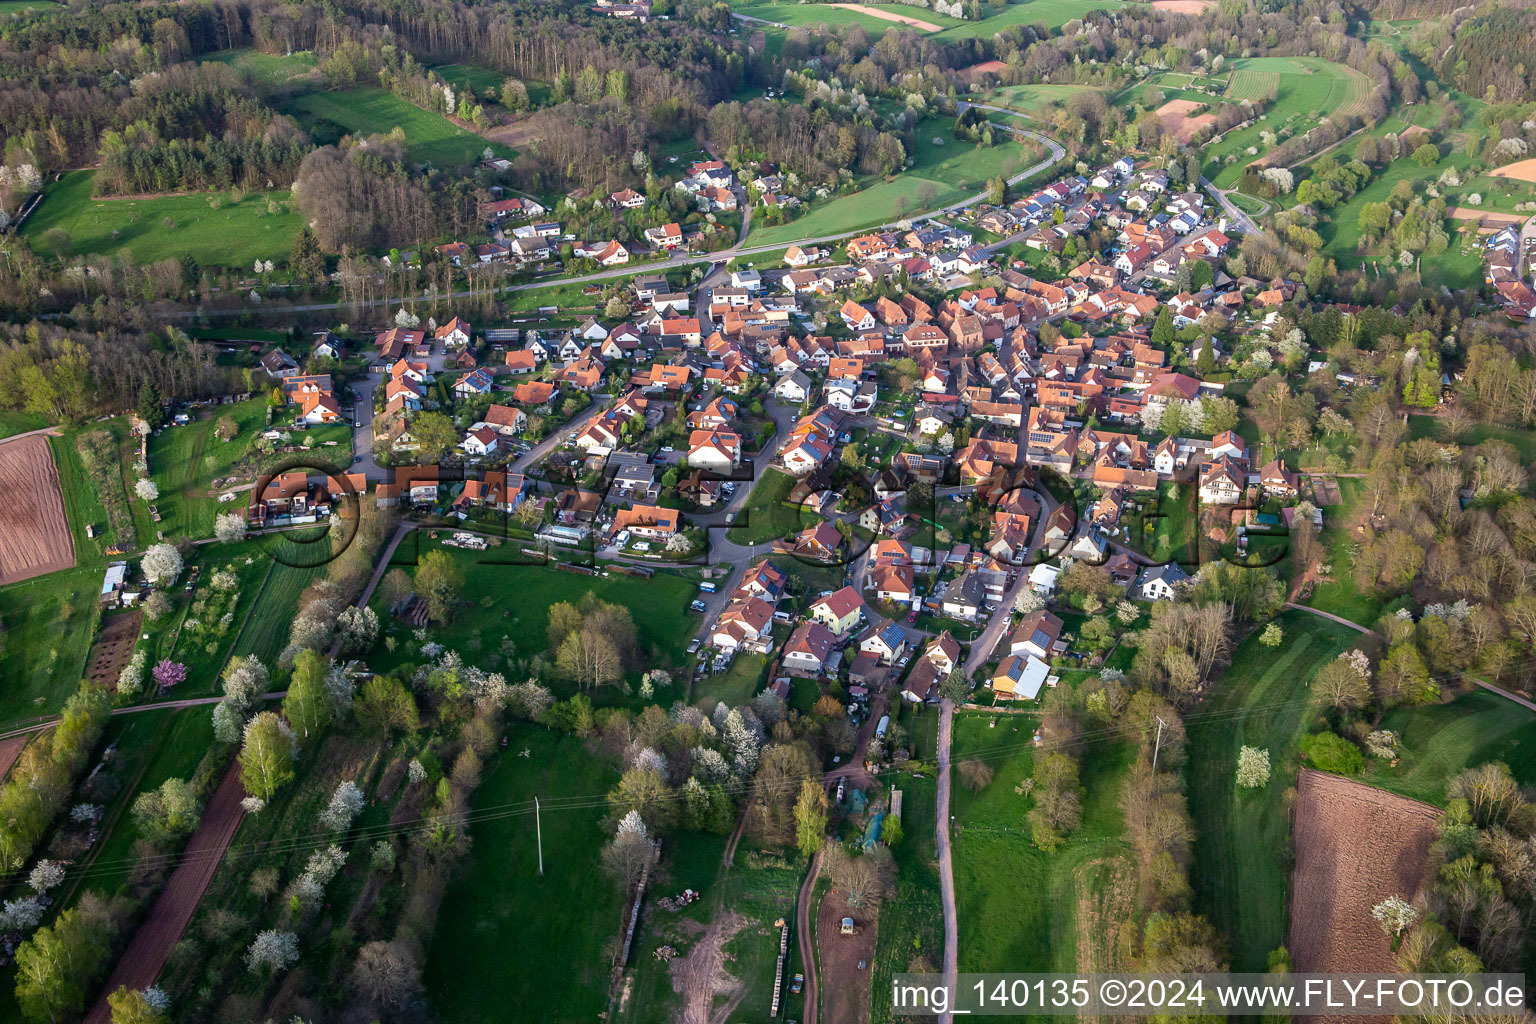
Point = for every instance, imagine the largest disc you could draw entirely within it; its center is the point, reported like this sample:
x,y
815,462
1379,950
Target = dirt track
x,y
1355,846
900,19
32,520
1182,6
10,752
145,957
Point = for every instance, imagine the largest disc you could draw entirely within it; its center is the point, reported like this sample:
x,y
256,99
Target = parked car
x,y
796,985
697,606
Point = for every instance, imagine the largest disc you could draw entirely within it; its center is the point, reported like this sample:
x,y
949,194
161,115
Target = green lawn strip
x,y
14,421
807,15
170,743
1036,99
185,460
49,623
366,110
1167,530
15,7
1524,441
1052,13
1017,904
471,76
911,923
507,936
510,602
1308,87
766,517
164,227
737,684
265,633
1441,740
266,70
952,170
82,506
1242,839
1339,594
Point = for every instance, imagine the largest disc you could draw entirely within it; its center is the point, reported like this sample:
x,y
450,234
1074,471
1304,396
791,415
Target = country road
x,y
1244,222
190,702
1057,154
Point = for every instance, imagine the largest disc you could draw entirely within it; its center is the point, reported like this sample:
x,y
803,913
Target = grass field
x,y
165,227
204,651
49,622
1524,441
1173,529
266,631
14,421
1453,268
1440,740
765,517
952,171
1242,839
266,70
807,15
510,602
368,111
1052,13
1338,595
82,504
911,924
1306,88
184,460
1021,908
737,684
174,742
507,936
9,8
1252,84
471,77
1036,100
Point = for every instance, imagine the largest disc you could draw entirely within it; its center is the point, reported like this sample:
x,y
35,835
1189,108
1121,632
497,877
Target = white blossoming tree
x,y
1395,915
1252,767
272,951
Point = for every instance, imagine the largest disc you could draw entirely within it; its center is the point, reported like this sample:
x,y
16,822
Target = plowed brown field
x,y
1355,846
32,523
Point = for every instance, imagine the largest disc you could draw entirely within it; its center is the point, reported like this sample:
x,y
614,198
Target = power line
x,y
300,842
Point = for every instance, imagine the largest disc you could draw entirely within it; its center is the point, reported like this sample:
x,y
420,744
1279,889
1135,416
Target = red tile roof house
x,y
840,611
821,541
808,648
857,317
742,622
648,521
454,334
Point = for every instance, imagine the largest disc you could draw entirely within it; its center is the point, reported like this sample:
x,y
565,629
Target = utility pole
x,y
1155,748
538,831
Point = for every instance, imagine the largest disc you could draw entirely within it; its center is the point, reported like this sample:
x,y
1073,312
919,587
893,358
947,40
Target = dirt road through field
x,y
145,957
